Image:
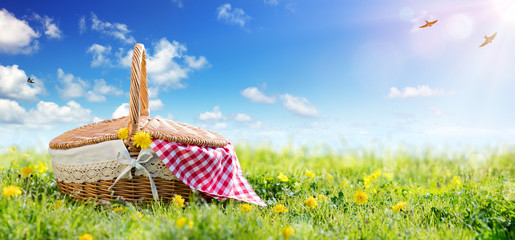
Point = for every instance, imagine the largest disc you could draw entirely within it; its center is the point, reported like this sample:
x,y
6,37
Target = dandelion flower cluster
x,y
41,167
178,201
12,149
399,206
142,140
361,197
27,171
282,177
245,207
311,203
345,182
85,236
11,191
123,133
180,222
309,174
456,181
287,232
118,209
58,204
279,208
137,216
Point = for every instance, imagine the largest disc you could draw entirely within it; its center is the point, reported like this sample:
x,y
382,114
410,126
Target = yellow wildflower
x,y
287,232
58,204
322,198
367,181
123,133
282,177
448,173
456,181
178,201
190,224
180,222
25,155
311,203
118,209
27,171
399,206
309,173
377,173
245,207
41,167
330,177
12,149
142,140
361,197
279,208
85,236
11,191
137,216
345,182
388,176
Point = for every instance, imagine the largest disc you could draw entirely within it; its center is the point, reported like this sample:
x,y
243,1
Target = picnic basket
x,y
83,159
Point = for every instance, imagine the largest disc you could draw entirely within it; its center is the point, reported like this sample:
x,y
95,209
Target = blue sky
x,y
342,72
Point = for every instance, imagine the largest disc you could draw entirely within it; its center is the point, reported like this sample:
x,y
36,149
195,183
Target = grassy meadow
x,y
312,193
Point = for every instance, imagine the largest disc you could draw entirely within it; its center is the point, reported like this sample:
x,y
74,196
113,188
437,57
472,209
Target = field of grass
x,y
406,195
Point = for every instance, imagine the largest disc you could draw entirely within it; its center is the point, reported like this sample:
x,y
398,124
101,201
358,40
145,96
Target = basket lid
x,y
138,119
157,127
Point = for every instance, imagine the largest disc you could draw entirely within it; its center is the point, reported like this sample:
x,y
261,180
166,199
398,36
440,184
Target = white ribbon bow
x,y
144,156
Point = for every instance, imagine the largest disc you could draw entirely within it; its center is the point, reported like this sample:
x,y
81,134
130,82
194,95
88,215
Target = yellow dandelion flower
x,y
85,236
180,222
448,173
142,140
309,174
27,171
388,176
367,180
399,206
279,208
41,167
377,173
456,181
123,133
282,177
12,149
58,204
118,209
330,177
287,232
322,198
311,203
178,201
345,182
190,224
25,155
137,216
246,207
11,191
361,197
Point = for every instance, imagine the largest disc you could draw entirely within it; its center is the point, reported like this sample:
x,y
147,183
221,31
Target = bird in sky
x,y
428,24
30,80
488,39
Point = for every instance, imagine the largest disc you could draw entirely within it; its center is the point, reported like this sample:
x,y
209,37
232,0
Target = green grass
x,y
482,206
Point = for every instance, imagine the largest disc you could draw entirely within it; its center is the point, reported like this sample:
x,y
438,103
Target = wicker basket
x,y
73,175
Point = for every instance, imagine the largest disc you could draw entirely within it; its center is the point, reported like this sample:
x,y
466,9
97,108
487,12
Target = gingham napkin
x,y
215,171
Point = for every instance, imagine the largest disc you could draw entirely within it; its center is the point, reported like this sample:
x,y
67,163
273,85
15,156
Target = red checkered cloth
x,y
214,171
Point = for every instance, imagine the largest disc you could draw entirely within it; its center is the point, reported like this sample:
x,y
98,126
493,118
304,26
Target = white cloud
x,y
163,66
242,117
178,3
232,16
14,84
51,29
257,124
11,111
155,104
216,115
271,2
99,55
436,111
220,125
122,110
254,95
299,105
16,35
100,89
419,91
116,30
82,25
73,87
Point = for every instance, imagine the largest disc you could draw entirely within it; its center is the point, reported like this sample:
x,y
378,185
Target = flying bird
x,y
488,39
30,80
428,24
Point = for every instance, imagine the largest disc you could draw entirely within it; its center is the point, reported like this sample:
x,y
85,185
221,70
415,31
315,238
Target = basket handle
x,y
139,91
